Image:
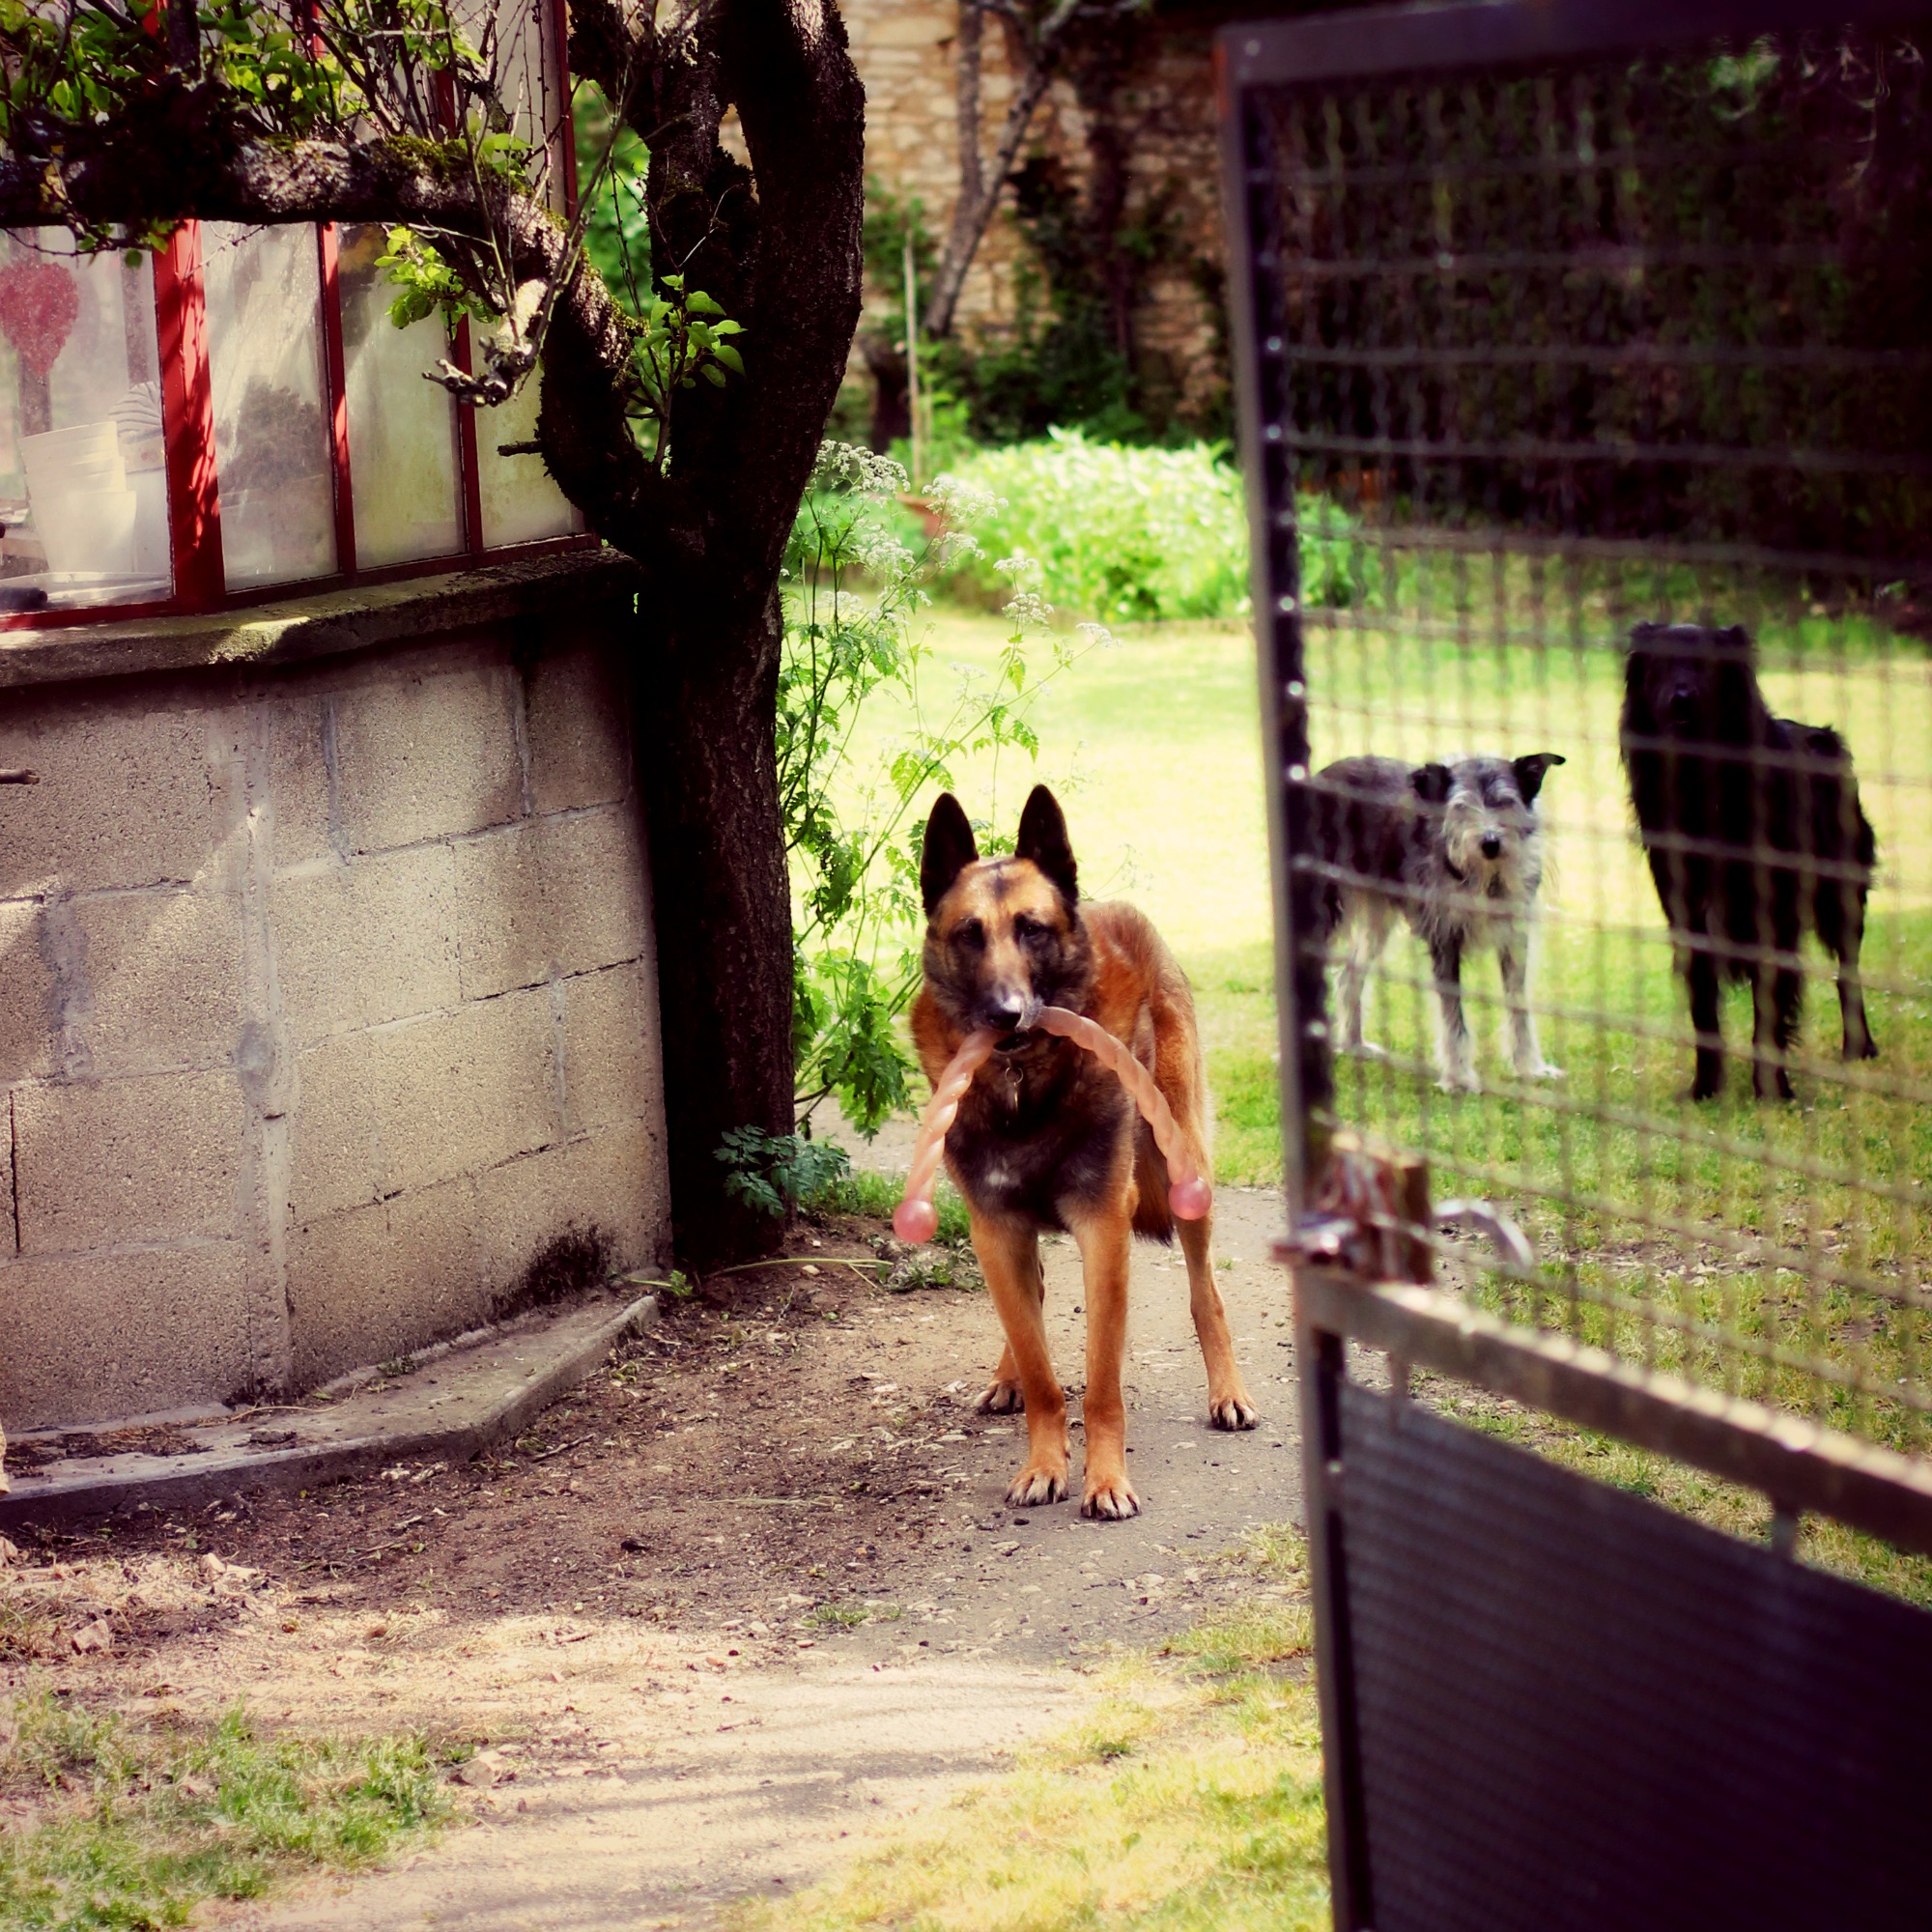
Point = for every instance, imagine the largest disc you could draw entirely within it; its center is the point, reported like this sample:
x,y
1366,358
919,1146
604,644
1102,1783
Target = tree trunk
x,y
891,404
970,218
703,707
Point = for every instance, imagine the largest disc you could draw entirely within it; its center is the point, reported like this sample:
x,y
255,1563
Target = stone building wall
x,y
904,52
331,986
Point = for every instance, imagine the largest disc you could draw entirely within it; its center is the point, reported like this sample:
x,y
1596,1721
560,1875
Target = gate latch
x,y
1370,1216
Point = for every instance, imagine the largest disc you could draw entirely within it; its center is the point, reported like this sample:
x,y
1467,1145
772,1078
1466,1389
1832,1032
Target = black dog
x,y
1754,832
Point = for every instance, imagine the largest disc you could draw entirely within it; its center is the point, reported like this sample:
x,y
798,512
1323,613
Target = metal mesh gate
x,y
1586,368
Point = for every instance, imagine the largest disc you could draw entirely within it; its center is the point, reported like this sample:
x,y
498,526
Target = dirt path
x,y
751,1590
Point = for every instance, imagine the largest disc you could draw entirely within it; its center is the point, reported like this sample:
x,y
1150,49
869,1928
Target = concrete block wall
x,y
331,998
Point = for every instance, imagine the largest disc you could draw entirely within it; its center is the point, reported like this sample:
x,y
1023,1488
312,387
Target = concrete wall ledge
x,y
488,1386
323,624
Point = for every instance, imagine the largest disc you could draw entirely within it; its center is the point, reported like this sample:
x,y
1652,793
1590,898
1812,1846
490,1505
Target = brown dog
x,y
1047,1137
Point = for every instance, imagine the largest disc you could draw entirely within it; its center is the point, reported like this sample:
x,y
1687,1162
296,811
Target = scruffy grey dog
x,y
1457,850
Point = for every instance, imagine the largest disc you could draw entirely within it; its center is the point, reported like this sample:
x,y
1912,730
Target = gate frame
x,y
1800,1466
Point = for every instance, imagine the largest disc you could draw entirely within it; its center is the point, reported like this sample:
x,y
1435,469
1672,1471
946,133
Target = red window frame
x,y
187,421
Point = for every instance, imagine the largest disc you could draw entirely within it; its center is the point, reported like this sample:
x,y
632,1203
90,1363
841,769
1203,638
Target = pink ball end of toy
x,y
914,1220
1189,1199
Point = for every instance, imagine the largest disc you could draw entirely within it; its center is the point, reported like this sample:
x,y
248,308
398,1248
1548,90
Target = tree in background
x,y
682,417
1093,244
1042,36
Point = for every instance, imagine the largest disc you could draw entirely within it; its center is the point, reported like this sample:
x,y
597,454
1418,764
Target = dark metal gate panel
x,y
1575,1709
1552,319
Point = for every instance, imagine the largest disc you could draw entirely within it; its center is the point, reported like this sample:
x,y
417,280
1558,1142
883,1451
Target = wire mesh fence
x,y
1594,406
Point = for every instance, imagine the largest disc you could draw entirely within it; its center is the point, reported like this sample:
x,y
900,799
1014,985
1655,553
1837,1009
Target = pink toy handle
x,y
917,1219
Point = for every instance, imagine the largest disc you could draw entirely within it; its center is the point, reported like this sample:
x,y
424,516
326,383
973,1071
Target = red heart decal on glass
x,y
39,305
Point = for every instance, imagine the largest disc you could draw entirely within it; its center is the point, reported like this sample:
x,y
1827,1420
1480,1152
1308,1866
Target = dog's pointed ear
x,y
1432,782
1043,840
1736,639
1529,771
949,849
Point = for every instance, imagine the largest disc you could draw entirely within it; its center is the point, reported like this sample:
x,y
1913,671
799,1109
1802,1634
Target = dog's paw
x,y
1109,1496
1366,1049
1464,1081
1541,1070
1000,1399
1033,1487
1232,1412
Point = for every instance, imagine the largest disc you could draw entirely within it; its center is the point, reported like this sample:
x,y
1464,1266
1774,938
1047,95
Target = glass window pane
x,y
520,504
520,501
401,430
83,483
270,432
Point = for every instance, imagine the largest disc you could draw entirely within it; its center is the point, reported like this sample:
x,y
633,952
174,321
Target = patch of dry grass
x,y
107,1821
1188,1798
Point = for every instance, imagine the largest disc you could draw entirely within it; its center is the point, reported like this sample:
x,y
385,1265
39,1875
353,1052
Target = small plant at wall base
x,y
568,1263
777,1173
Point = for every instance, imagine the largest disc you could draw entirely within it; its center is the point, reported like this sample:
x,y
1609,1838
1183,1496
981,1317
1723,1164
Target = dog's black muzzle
x,y
1015,1025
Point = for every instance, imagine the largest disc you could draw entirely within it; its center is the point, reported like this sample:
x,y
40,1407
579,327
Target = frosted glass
x,y
520,504
520,501
84,484
403,453
271,447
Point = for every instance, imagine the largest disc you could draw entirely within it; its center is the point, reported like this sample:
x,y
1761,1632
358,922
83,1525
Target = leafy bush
x,y
857,573
776,1173
1123,533
1126,534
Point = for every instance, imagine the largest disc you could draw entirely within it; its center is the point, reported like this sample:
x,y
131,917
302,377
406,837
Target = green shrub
x,y
1118,533
1132,534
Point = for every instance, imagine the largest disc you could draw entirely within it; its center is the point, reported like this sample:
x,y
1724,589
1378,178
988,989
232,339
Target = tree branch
x,y
970,208
1044,38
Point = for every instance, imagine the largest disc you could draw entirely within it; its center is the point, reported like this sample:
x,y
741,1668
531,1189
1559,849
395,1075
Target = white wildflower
x,y
850,466
960,502
1028,611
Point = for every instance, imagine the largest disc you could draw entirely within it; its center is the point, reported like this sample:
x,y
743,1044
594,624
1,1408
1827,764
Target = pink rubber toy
x,y
917,1219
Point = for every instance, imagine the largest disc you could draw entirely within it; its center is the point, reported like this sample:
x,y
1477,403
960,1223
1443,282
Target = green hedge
x,y
1129,534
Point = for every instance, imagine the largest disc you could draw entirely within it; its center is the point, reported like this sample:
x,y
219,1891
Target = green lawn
x,y
1152,747
1748,1245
